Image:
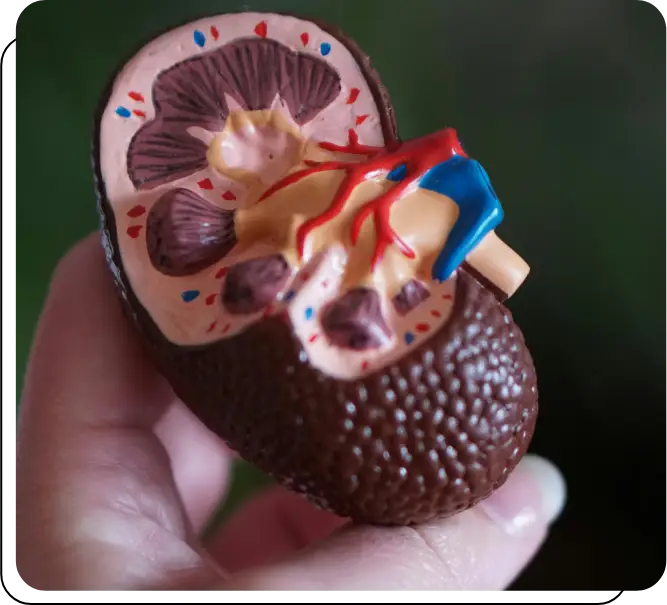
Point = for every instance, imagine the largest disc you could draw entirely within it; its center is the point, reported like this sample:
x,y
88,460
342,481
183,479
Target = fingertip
x,y
532,497
550,482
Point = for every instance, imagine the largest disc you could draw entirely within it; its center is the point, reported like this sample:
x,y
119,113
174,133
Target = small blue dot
x,y
309,313
409,338
123,112
200,39
398,173
325,48
289,296
189,295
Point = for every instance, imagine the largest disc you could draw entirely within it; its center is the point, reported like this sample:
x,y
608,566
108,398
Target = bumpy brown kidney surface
x,y
429,433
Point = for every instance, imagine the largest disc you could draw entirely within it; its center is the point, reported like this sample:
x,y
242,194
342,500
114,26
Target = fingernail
x,y
551,483
535,492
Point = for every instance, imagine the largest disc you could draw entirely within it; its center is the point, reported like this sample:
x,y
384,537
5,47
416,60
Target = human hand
x,y
116,480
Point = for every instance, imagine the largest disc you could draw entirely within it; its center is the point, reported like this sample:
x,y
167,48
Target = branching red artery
x,y
418,157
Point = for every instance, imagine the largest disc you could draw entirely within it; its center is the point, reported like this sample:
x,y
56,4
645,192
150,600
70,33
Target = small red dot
x,y
436,313
422,327
136,96
447,296
226,328
304,38
214,32
205,184
261,29
229,196
305,276
313,338
133,231
221,273
268,310
325,283
212,327
361,119
364,366
136,211
210,299
354,93
139,113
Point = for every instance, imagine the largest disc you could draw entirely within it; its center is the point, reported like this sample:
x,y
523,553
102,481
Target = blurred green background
x,y
563,102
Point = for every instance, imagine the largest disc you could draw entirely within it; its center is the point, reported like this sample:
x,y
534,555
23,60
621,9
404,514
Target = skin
x,y
116,479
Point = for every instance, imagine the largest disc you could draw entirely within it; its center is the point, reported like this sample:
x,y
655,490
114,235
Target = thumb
x,y
483,548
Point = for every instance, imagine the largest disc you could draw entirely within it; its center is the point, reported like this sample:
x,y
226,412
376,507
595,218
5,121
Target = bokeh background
x,y
563,102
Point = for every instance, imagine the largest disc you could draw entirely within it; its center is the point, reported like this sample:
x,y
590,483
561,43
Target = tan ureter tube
x,y
498,263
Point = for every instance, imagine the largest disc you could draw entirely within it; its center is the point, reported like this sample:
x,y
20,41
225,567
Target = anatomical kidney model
x,y
324,296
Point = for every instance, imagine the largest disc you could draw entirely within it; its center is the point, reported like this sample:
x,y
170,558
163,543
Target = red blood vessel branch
x,y
353,147
418,157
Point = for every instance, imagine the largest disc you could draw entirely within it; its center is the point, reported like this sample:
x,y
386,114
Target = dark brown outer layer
x,y
428,436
